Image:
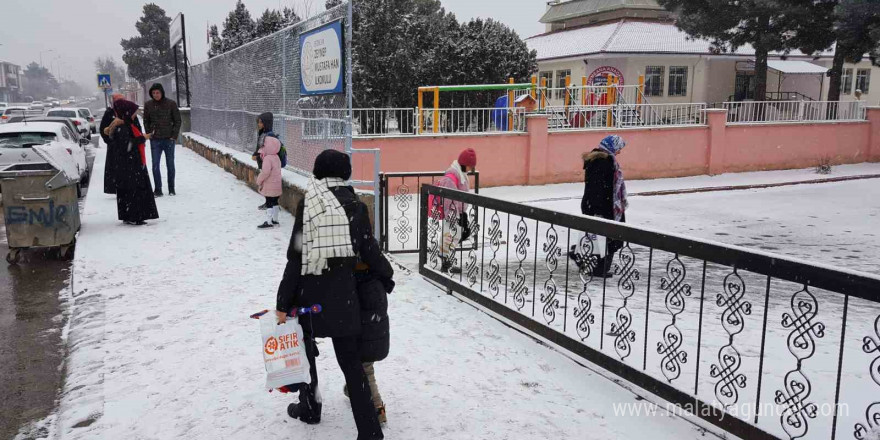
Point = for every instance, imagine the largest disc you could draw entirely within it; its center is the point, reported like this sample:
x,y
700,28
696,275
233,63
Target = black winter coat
x,y
598,200
162,118
375,339
336,289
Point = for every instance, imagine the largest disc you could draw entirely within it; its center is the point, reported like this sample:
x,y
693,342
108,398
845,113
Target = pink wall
x,y
786,146
540,157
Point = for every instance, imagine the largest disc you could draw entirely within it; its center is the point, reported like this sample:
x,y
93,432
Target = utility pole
x,y
41,56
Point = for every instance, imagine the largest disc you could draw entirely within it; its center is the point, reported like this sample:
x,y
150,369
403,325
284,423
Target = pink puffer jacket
x,y
269,180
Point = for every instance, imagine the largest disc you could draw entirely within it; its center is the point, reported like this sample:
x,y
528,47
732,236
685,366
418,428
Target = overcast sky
x,y
72,33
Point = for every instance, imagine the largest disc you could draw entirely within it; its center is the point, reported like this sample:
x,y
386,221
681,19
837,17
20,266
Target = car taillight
x,y
4,117
76,123
91,119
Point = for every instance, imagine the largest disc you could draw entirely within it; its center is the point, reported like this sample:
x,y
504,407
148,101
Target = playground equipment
x,y
512,90
605,103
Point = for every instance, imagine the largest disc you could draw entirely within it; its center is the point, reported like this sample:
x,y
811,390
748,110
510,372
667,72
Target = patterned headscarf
x,y
125,109
612,145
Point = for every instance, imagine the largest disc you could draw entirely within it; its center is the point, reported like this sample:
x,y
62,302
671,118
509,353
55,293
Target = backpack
x,y
282,154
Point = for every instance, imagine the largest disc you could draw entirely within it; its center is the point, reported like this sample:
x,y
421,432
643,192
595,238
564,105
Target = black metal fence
x,y
762,346
398,203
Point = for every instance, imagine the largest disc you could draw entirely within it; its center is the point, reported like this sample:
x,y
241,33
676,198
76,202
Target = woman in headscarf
x,y
134,195
331,233
604,196
110,158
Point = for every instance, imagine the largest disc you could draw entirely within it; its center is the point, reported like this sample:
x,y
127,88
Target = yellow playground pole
x,y
641,89
510,105
583,90
609,99
567,92
419,114
534,83
543,93
436,110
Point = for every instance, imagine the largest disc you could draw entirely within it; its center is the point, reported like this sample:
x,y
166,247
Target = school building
x,y
633,38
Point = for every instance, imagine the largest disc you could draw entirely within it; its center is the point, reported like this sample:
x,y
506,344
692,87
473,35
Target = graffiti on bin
x,y
54,216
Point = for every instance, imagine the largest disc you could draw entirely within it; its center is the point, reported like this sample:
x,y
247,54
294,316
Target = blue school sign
x,y
321,60
103,81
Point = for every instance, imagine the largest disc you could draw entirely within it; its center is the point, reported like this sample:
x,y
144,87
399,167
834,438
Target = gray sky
x,y
78,31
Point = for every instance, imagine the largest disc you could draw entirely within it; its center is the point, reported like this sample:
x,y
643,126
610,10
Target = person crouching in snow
x,y
452,213
332,230
269,180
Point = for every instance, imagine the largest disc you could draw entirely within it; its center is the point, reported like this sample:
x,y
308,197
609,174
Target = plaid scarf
x,y
326,230
612,145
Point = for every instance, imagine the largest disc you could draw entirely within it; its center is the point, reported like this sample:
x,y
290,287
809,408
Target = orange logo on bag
x,y
271,345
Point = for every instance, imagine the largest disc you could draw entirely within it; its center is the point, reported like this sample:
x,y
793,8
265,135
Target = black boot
x,y
447,267
157,193
308,410
603,268
577,258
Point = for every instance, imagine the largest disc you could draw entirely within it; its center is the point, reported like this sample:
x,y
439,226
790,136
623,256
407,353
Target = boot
x,y
262,207
265,225
603,268
157,193
577,258
447,267
308,410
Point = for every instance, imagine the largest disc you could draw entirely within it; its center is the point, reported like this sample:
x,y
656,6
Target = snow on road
x,y
162,346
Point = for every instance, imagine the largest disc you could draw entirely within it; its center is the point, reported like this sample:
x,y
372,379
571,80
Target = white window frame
x,y
648,90
679,77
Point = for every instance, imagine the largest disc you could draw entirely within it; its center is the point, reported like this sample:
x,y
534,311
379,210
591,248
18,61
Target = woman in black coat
x,y
604,194
335,290
134,195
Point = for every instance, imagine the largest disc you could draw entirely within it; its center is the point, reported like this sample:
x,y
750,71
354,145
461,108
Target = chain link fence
x,y
229,91
170,86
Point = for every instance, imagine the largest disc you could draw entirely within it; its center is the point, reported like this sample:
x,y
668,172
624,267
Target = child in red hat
x,y
456,228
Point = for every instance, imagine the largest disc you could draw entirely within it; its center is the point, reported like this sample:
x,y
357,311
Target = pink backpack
x,y
440,211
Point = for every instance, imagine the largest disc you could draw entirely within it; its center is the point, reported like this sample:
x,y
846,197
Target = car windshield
x,y
10,111
25,139
62,113
83,114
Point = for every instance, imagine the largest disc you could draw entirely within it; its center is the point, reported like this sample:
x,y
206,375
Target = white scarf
x,y
326,230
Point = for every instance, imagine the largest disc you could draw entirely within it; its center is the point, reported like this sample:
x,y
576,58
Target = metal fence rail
x,y
472,120
752,112
231,89
754,343
580,117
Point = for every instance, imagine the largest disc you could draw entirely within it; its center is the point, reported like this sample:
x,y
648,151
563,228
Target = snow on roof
x,y
626,36
795,67
579,8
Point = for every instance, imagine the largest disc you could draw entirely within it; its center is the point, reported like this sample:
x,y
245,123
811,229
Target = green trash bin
x,y
40,208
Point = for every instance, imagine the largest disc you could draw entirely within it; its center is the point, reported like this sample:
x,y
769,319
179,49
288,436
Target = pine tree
x,y
239,28
857,30
270,22
765,25
38,81
148,55
216,42
330,4
290,16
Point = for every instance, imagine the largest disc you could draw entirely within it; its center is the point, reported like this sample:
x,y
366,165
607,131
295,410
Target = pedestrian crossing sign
x,y
104,80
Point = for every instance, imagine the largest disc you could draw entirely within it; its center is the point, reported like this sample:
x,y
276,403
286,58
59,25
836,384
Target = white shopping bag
x,y
598,242
284,353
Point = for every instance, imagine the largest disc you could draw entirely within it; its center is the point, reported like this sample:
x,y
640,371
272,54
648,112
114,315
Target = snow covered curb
x,y
243,167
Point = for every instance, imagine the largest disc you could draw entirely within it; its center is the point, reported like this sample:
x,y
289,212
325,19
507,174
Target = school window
x,y
654,81
560,82
863,80
678,80
846,82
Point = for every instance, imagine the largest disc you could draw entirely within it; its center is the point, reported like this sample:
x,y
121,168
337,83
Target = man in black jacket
x,y
162,120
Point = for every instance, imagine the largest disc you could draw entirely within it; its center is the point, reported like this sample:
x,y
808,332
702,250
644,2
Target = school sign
x,y
321,60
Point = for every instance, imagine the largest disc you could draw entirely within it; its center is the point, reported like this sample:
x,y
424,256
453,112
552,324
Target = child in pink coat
x,y
269,180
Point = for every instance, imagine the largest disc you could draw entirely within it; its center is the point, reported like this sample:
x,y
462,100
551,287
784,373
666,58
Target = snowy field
x,y
162,347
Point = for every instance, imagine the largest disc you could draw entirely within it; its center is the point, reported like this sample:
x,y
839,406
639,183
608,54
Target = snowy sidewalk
x,y
162,346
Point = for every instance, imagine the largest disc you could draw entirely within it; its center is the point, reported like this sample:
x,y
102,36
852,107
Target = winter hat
x,y
468,158
332,163
267,119
125,109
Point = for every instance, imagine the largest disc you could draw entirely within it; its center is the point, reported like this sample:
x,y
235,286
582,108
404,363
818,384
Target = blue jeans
x,y
157,147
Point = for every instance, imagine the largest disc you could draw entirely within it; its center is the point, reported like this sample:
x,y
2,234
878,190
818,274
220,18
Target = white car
x,y
18,139
37,105
86,114
8,112
73,114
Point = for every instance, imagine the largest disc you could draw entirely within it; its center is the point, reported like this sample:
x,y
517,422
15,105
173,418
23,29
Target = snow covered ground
x,y
161,345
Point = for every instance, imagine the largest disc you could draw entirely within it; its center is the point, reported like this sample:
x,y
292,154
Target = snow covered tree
x,y
239,28
290,16
216,42
766,25
108,65
148,54
489,52
270,22
38,81
330,4
857,29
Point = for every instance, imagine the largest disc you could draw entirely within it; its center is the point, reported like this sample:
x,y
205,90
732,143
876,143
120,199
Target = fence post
x,y
609,120
583,90
436,110
873,116
419,114
641,91
800,111
543,93
536,125
510,106
532,90
717,121
567,92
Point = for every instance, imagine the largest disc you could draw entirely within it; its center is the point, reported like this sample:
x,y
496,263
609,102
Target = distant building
x,y
631,38
10,82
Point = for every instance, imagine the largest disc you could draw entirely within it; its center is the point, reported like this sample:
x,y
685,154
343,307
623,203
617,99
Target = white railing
x,y
471,120
384,121
589,95
758,112
624,115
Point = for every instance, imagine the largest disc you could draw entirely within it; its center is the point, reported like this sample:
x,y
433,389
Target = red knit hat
x,y
468,158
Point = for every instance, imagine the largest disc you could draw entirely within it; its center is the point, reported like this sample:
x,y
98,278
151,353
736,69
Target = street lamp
x,y
41,55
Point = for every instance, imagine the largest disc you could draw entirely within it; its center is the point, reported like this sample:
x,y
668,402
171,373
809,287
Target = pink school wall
x,y
541,157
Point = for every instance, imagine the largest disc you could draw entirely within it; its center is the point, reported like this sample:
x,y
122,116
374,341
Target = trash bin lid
x,y
56,154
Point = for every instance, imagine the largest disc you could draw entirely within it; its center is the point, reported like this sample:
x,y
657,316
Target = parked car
x,y
17,140
86,114
56,104
3,105
54,119
81,123
8,112
37,105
